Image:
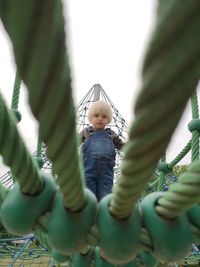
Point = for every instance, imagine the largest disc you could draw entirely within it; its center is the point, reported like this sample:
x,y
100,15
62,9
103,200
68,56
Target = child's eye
x,y
104,116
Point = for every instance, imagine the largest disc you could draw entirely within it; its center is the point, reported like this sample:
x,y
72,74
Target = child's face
x,y
99,121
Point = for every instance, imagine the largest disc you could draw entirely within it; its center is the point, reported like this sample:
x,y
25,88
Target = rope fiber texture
x,y
181,155
36,29
16,155
195,133
182,195
16,92
170,76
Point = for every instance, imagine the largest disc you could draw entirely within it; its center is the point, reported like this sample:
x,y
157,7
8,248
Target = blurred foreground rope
x,y
170,75
36,29
15,154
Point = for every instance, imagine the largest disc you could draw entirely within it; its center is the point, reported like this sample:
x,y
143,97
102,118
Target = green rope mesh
x,y
39,148
162,175
15,153
3,193
195,133
181,155
37,32
182,195
16,92
178,158
170,76
161,180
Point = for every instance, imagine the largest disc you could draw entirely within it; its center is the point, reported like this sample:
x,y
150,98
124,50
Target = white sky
x,y
107,41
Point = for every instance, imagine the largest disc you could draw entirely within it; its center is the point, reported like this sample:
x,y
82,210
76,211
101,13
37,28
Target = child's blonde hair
x,y
100,107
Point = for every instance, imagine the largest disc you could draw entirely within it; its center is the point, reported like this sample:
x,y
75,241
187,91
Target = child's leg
x,y
90,171
104,187
91,183
105,179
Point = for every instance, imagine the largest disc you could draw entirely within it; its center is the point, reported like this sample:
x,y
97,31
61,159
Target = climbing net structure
x,y
118,123
95,93
28,250
123,229
24,251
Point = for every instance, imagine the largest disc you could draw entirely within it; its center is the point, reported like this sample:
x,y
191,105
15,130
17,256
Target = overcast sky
x,y
106,42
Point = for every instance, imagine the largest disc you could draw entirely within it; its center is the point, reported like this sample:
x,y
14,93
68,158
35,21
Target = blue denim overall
x,y
99,159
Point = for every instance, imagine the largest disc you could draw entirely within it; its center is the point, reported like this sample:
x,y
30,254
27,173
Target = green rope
x,y
170,23
162,175
154,183
16,92
161,180
169,78
195,133
195,145
195,108
50,89
39,148
3,193
15,153
93,237
182,195
36,29
181,155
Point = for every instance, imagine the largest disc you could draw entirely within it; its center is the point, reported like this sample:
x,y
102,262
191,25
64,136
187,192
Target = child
x,y
98,149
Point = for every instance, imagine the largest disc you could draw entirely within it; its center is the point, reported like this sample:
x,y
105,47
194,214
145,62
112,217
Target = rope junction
x,y
121,230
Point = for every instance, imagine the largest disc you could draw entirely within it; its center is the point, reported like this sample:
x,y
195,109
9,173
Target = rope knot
x,y
67,230
164,167
194,125
20,213
119,239
172,239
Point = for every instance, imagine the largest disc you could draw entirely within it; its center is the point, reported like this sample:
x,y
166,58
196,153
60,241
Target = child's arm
x,y
82,136
85,133
118,143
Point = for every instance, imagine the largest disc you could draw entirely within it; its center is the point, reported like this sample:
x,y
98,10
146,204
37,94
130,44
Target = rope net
x,y
124,229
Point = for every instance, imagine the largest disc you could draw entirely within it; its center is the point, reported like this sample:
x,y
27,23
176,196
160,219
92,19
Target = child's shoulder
x,y
110,131
87,131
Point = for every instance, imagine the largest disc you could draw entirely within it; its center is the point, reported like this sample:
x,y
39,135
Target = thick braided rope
x,y
36,29
145,239
180,156
170,75
16,92
147,244
15,154
182,195
194,142
195,133
161,180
